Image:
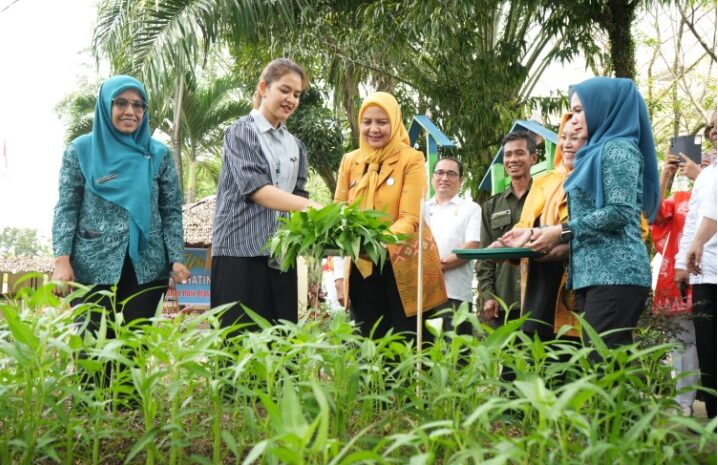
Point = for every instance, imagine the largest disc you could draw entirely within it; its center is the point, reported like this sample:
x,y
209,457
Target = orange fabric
x,y
392,179
405,263
374,160
547,202
645,228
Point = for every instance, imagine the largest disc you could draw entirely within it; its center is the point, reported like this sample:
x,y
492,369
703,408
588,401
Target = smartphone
x,y
689,146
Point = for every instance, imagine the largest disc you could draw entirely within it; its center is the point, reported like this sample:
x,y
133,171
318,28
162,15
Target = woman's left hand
x,y
689,168
558,253
545,239
180,273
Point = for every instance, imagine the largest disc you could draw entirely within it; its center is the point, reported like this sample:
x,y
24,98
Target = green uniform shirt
x,y
498,215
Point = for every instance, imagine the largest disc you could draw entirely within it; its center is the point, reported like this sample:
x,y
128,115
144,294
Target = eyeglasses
x,y
448,174
122,103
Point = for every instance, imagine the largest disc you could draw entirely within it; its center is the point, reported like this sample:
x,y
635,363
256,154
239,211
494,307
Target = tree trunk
x,y
623,48
191,175
677,72
329,177
176,132
350,92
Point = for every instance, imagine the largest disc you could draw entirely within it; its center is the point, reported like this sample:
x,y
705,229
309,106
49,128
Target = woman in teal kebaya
x,y
118,219
615,179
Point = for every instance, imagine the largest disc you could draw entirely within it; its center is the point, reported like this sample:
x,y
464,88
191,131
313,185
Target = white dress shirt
x,y
702,203
454,223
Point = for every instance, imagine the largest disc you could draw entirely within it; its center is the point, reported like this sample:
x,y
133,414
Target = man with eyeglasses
x,y
501,280
455,223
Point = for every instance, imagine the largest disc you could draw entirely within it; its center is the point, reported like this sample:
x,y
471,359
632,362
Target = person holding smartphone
x,y
702,282
690,168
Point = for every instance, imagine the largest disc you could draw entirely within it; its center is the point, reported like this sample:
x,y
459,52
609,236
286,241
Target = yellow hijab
x,y
398,141
546,199
556,209
374,158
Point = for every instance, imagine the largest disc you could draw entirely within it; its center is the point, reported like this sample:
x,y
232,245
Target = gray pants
x,y
686,361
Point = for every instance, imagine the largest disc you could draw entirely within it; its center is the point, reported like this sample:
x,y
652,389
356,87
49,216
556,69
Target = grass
x,y
319,393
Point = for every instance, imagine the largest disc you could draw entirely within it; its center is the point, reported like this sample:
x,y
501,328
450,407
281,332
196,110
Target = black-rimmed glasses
x,y
448,174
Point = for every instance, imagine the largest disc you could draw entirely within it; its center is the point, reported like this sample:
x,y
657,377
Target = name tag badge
x,y
500,219
500,213
390,181
105,179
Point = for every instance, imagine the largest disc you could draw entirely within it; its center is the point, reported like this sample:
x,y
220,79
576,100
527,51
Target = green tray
x,y
495,254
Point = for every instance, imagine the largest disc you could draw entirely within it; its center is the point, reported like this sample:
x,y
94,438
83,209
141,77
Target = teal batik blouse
x,y
95,232
607,248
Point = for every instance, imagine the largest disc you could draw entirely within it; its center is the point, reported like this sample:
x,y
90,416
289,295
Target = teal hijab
x,y
120,167
614,109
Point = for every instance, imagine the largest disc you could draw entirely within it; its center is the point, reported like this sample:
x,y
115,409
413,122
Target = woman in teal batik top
x,y
118,219
615,178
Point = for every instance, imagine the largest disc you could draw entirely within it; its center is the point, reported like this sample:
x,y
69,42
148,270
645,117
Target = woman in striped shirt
x,y
263,176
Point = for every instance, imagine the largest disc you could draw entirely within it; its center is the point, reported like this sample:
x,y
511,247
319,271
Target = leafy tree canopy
x,y
22,242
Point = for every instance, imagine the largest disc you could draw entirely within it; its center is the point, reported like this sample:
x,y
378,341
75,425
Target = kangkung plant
x,y
337,229
186,391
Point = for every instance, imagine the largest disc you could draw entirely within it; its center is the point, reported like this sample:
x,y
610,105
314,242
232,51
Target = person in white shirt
x,y
456,224
697,257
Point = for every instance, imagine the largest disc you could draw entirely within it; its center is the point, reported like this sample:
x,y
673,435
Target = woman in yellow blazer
x,y
543,280
387,175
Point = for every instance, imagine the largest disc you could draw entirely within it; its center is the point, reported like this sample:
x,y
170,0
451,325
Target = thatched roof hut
x,y
22,265
197,219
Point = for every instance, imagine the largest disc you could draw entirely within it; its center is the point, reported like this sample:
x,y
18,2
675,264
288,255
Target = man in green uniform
x,y
499,214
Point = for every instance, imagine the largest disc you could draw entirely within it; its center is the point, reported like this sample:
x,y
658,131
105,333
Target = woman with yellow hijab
x,y
386,174
543,279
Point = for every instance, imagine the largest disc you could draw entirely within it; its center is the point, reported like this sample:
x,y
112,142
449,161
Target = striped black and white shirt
x,y
241,227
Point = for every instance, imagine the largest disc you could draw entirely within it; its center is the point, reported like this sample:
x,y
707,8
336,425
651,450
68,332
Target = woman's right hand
x,y
314,205
63,272
670,166
516,237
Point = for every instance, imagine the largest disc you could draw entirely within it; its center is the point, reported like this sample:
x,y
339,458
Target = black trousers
x,y
135,301
250,281
377,298
704,309
612,307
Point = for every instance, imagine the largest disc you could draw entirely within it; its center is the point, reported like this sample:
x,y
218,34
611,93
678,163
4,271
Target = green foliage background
x,y
23,242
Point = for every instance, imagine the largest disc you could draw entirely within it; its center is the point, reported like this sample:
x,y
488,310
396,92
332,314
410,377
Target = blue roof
x,y
519,125
423,122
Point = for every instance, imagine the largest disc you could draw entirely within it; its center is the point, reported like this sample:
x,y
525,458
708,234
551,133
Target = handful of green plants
x,y
336,229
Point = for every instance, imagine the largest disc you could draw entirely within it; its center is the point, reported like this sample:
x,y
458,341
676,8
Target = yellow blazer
x,y
399,192
400,187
